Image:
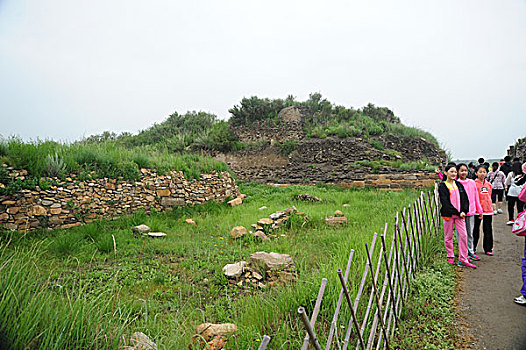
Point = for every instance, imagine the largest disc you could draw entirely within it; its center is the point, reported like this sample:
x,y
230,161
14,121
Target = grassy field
x,y
71,287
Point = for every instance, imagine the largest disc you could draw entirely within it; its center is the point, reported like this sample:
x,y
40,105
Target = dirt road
x,y
486,294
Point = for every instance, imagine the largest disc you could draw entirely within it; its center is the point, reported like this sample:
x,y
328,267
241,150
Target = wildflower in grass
x,y
220,238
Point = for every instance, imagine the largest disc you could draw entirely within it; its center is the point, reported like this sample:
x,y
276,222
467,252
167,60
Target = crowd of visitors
x,y
470,195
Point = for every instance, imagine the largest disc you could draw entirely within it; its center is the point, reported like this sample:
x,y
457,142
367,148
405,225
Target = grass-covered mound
x,y
205,131
166,287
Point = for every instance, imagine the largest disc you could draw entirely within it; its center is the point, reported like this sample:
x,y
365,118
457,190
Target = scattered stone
x,y
277,215
334,221
234,270
290,210
338,213
4,216
217,343
238,231
346,205
211,330
262,208
140,341
47,203
235,202
308,198
261,285
265,221
242,196
261,235
272,261
191,222
157,234
140,229
257,276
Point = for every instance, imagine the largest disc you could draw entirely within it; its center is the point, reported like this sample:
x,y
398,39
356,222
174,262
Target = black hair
x,y
516,168
481,160
471,165
495,164
507,158
449,166
459,165
479,167
516,159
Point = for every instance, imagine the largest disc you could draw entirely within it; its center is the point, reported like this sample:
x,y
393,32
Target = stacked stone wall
x,y
72,202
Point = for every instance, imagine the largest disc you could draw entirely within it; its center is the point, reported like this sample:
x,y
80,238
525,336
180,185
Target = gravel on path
x,y
485,298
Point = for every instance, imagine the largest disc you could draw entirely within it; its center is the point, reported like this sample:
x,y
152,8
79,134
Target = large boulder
x,y
272,261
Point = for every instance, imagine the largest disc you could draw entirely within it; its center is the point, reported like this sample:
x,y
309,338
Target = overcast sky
x,y
74,68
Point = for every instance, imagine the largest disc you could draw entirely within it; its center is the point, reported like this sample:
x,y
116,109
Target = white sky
x,y
74,68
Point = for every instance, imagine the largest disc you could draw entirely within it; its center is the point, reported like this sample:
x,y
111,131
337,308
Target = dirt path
x,y
486,294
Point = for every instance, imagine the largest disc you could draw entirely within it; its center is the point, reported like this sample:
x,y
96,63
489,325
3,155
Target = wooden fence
x,y
385,283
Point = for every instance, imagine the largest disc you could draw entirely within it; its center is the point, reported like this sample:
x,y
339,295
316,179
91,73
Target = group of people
x,y
470,195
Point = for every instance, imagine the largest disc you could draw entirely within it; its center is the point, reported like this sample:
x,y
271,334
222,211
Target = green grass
x,y
428,319
167,287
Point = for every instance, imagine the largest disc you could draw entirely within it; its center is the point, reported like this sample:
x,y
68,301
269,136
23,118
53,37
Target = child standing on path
x,y
474,206
454,206
484,191
497,179
514,183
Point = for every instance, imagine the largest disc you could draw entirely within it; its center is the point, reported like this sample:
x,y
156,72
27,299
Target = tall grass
x,y
37,313
104,159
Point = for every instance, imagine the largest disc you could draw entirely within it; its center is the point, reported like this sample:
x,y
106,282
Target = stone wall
x,y
330,160
72,202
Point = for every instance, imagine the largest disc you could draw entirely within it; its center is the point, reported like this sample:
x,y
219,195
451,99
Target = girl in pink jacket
x,y
475,209
484,190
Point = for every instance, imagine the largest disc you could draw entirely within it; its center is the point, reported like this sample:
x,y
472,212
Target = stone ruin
x,y
262,270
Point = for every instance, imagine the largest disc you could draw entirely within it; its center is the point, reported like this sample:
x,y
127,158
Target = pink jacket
x,y
474,201
484,191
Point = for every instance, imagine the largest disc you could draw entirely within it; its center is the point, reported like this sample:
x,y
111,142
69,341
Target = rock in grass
x,y
338,213
272,261
265,221
277,215
156,234
234,270
236,201
211,330
261,235
191,222
140,341
238,231
334,221
141,229
262,208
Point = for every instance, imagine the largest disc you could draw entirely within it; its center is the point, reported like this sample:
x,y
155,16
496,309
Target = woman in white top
x,y
514,183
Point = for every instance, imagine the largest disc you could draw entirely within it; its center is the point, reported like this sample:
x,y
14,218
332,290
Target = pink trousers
x,y
460,225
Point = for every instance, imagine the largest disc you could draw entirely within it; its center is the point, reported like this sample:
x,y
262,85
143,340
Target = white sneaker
x,y
499,211
494,212
521,300
510,222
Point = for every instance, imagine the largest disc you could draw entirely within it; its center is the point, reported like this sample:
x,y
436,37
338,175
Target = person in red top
x,y
484,189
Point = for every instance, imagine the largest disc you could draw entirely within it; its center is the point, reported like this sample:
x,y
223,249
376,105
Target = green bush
x,y
287,147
